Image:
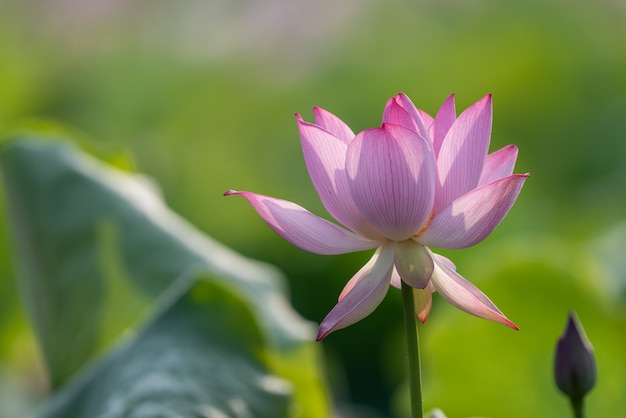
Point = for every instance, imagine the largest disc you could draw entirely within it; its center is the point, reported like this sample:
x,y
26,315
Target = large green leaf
x,y
96,248
187,363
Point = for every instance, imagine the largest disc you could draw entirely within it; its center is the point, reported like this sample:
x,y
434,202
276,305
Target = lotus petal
x,y
391,177
470,218
325,157
303,229
462,155
464,295
498,164
366,290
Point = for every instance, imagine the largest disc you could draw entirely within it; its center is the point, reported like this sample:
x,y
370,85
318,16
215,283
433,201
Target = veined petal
x,y
462,154
325,158
464,295
366,290
333,124
303,229
391,176
423,299
442,123
400,110
470,218
498,164
413,263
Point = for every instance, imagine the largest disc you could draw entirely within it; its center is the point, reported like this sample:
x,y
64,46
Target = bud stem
x,y
412,342
578,407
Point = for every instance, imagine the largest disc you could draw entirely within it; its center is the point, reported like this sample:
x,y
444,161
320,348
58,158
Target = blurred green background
x,y
202,94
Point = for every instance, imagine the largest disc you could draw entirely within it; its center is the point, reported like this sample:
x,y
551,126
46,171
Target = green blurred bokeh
x,y
203,94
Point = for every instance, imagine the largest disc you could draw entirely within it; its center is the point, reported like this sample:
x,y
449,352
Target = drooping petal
x,y
462,154
470,218
498,164
464,295
413,263
442,123
303,229
391,176
400,110
333,124
325,158
366,290
423,299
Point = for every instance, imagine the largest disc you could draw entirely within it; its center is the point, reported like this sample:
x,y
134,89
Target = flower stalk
x,y
413,351
578,407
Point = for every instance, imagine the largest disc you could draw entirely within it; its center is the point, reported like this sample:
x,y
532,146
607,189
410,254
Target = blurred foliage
x,y
98,253
203,93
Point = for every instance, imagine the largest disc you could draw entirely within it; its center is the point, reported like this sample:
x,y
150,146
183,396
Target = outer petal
x,y
400,110
325,157
333,124
498,164
470,218
464,295
463,151
442,123
366,290
391,176
413,263
303,229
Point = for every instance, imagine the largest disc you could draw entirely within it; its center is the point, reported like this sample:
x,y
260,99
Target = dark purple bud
x,y
574,362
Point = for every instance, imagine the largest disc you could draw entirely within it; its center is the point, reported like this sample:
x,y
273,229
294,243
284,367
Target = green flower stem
x,y
412,343
578,407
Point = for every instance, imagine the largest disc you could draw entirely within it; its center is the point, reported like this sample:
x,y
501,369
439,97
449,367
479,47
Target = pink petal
x,y
391,177
463,151
428,122
464,295
470,218
357,277
303,229
442,123
325,157
400,110
366,290
498,164
413,263
333,124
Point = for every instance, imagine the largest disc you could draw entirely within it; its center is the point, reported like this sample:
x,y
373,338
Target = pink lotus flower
x,y
413,183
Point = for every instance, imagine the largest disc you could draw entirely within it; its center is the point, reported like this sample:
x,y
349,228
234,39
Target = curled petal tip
x,y
229,192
